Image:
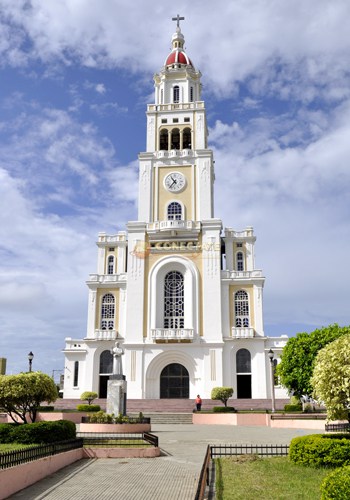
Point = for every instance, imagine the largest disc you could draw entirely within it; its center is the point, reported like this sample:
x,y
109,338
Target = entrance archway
x,y
244,374
106,369
174,382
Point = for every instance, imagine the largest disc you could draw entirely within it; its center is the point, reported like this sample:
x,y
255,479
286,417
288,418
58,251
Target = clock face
x,y
175,182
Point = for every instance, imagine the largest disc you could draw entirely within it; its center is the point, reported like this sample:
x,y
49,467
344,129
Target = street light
x,y
30,359
272,378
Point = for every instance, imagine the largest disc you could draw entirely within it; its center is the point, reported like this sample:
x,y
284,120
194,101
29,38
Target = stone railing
x,y
178,225
107,278
172,334
243,333
257,273
173,153
176,106
105,334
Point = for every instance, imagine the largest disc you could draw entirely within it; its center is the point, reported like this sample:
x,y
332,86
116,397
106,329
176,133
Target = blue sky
x,y
75,78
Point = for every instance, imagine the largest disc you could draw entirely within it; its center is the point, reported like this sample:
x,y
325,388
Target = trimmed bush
x,y
321,450
223,409
45,408
336,485
43,432
289,407
101,417
6,431
90,408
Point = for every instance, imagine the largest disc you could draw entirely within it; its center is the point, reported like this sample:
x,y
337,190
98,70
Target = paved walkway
x,y
173,476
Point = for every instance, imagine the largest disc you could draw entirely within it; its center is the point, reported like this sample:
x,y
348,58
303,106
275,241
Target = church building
x,y
180,293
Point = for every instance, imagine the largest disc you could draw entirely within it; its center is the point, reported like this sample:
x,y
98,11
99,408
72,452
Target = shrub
x,y
89,396
321,450
6,431
45,408
290,407
221,393
336,485
101,418
223,409
42,432
92,408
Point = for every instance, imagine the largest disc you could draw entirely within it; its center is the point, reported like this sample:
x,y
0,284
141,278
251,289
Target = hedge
x,y
223,409
37,433
321,450
290,407
90,408
336,485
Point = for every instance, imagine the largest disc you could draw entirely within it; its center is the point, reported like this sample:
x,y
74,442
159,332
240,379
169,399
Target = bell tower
x,y
176,171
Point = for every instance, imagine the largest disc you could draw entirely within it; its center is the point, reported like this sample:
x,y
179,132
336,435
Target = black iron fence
x,y
12,458
131,420
245,449
337,427
118,439
204,476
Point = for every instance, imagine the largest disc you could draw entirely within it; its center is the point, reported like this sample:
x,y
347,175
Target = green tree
x,y
222,394
299,355
331,378
88,396
20,395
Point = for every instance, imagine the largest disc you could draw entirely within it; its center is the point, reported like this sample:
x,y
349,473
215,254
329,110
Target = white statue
x,y
117,359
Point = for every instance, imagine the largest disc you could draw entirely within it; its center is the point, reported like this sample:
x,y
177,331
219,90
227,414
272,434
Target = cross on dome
x,y
178,19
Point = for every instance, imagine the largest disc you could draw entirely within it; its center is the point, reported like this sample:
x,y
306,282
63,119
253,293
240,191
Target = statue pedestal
x,y
116,395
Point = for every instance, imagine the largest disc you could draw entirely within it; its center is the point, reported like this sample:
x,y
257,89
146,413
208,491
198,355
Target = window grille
x,y
174,211
110,266
174,300
240,261
241,309
107,312
176,94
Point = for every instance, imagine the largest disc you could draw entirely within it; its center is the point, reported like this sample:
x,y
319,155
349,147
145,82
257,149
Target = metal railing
x,y
204,476
118,439
13,458
337,427
266,450
131,420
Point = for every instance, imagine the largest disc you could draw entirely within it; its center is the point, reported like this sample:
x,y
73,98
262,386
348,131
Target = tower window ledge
x,y
105,335
107,278
257,273
172,334
174,225
243,333
163,153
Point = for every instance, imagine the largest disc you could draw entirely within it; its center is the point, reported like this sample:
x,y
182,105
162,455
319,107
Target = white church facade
x,y
179,292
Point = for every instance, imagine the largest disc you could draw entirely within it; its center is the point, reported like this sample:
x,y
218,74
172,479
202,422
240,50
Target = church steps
x,y
175,405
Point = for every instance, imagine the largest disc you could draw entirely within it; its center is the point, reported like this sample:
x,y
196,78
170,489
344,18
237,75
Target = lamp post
x,y
272,378
30,359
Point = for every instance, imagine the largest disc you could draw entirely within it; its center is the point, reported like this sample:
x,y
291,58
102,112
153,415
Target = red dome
x,y
179,57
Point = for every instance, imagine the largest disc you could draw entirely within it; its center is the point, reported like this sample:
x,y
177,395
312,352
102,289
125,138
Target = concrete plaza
x,y
173,476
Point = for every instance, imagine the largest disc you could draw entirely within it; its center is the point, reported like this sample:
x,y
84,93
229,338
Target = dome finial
x,y
178,19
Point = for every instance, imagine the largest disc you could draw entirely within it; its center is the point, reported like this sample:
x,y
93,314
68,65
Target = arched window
x,y
241,309
174,300
163,140
174,211
107,312
106,362
175,139
239,261
186,138
243,361
76,373
191,94
176,94
110,266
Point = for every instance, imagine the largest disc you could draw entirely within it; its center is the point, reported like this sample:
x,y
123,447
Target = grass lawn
x,y
118,443
253,478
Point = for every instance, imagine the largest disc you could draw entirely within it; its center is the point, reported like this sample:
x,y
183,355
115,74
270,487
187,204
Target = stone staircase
x,y
166,418
176,406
